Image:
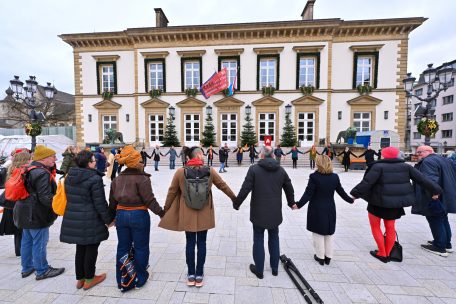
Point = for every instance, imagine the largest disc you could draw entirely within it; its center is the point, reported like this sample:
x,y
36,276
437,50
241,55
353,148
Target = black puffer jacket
x,y
35,212
266,181
387,184
87,211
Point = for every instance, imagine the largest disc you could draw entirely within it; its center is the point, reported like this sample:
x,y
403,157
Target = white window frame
x,y
230,136
360,65
109,123
231,69
268,122
194,133
270,72
194,68
362,119
156,121
154,80
304,71
302,130
447,133
109,83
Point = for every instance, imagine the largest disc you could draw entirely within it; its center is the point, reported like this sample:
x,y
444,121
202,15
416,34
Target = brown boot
x,y
96,280
80,283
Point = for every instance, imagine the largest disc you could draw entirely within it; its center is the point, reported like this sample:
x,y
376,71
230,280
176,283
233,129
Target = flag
x,y
216,83
232,87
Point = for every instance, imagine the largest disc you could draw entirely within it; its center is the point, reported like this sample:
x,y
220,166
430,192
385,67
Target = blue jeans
x,y
252,160
33,250
222,167
258,248
133,229
172,164
156,164
198,238
441,231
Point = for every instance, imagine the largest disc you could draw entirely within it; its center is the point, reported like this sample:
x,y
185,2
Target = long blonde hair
x,y
19,159
324,164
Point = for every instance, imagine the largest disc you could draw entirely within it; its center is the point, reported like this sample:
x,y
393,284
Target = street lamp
x,y
288,109
17,91
437,80
172,111
248,110
209,110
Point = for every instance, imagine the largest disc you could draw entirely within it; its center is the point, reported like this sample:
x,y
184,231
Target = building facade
x,y
332,55
444,110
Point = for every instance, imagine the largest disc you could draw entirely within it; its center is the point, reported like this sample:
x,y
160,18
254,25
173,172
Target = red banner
x,y
218,82
267,140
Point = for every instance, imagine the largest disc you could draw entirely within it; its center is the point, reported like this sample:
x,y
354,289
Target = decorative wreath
x,y
307,90
428,127
33,129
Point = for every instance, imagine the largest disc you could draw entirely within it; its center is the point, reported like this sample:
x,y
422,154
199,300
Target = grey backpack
x,y
196,183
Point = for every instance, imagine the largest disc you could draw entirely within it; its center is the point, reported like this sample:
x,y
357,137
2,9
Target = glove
x,y
235,204
161,213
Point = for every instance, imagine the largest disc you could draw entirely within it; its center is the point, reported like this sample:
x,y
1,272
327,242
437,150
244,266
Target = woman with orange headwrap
x,y
131,196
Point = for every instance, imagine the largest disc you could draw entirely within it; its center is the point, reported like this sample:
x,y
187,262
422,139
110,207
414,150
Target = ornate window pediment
x,y
107,105
307,101
364,100
267,101
155,103
190,102
229,102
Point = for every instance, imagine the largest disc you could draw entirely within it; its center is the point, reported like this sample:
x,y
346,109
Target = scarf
x,y
195,162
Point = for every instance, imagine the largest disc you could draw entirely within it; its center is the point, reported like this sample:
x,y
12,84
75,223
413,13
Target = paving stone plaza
x,y
352,277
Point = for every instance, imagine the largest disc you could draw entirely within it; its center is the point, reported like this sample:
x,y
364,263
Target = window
x,y
267,125
451,82
339,115
416,135
385,114
106,76
109,122
232,67
447,117
192,129
308,68
416,121
155,74
191,73
362,121
156,124
228,127
419,92
448,99
417,105
447,133
433,103
267,73
365,69
306,127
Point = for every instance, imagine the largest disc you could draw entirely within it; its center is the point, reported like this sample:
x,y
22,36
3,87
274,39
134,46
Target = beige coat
x,y
111,162
179,217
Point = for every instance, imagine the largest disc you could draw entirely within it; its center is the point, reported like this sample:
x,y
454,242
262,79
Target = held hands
x,y
435,197
113,223
294,207
235,204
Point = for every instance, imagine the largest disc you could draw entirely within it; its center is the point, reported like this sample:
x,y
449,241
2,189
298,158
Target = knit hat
x,y
390,152
129,156
42,152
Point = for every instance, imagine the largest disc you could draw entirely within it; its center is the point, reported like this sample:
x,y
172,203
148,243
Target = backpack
x,y
128,277
59,201
15,189
196,182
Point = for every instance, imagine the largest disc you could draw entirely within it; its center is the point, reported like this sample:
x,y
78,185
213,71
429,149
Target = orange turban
x,y
129,156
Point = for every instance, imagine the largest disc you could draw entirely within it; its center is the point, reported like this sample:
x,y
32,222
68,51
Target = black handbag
x,y
396,251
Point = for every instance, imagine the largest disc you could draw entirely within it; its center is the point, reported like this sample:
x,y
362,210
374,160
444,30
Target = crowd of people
x,y
189,205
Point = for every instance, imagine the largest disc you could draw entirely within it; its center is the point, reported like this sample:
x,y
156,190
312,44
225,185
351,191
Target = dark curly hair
x,y
83,159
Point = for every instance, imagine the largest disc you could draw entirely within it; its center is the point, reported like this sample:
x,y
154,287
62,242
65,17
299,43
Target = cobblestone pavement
x,y
353,276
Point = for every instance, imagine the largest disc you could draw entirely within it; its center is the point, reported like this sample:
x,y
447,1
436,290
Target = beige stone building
x,y
332,55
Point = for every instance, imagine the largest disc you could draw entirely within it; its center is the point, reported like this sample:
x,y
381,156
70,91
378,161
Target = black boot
x,y
320,261
327,260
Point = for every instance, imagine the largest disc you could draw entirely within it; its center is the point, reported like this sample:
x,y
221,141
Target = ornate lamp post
x,y
436,81
288,109
172,111
248,110
27,96
208,110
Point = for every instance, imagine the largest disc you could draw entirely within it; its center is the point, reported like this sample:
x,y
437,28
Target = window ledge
x,y
366,48
153,55
268,50
308,48
229,52
194,53
106,58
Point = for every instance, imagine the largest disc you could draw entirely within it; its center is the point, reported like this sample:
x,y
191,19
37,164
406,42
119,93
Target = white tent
x,y
56,142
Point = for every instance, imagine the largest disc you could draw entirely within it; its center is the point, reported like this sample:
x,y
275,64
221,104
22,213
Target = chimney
x,y
160,18
308,11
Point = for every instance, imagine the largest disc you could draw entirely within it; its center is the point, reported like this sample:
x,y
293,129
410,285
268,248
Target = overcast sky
x,y
29,44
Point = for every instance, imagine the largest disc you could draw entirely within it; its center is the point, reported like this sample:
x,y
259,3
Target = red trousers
x,y
384,244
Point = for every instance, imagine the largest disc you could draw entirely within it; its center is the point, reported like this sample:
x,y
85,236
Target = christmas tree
x,y
248,135
208,133
288,135
170,138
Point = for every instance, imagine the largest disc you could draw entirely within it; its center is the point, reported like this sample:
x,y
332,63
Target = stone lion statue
x,y
112,136
342,134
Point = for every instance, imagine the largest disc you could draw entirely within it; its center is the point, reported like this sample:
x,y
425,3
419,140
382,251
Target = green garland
x,y
107,95
268,90
307,90
191,92
154,93
364,89
428,127
33,129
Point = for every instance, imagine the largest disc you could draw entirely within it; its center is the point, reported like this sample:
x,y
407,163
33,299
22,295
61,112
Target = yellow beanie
x,y
42,152
129,156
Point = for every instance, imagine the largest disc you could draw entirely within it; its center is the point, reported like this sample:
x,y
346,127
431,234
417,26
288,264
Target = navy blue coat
x,y
441,171
321,214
